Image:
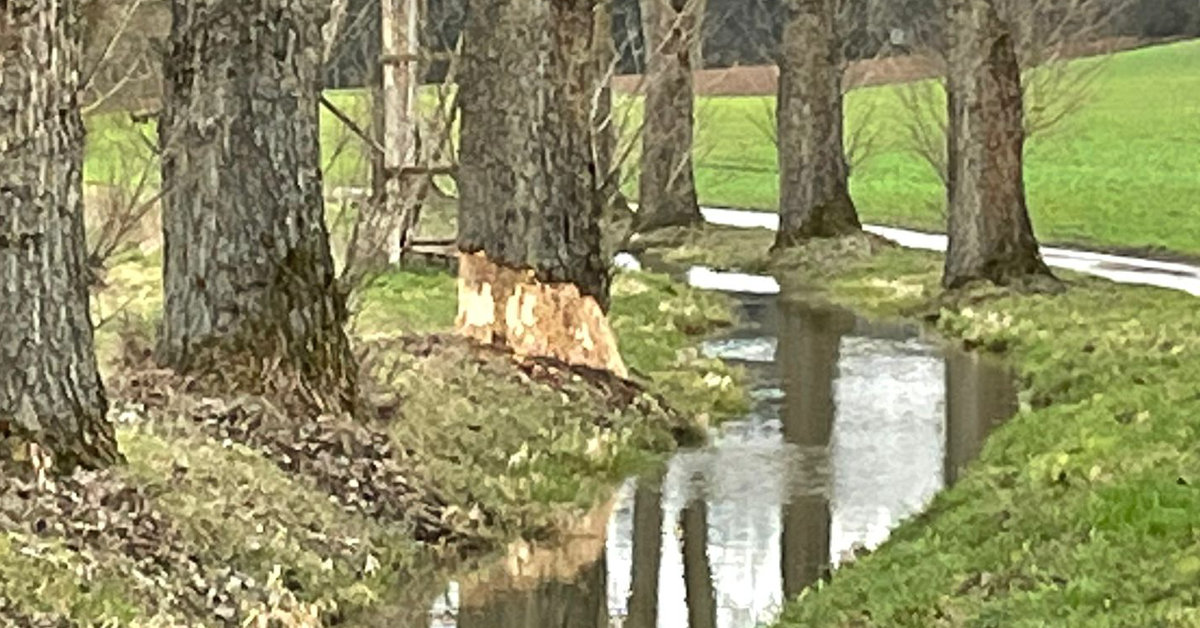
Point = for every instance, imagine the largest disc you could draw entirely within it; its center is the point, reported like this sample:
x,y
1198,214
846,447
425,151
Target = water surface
x,y
854,427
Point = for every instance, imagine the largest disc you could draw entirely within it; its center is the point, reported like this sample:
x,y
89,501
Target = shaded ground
x,y
183,534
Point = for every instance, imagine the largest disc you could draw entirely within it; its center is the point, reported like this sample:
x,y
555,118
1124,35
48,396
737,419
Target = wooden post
x,y
399,54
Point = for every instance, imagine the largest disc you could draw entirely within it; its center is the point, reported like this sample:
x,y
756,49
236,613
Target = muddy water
x,y
854,427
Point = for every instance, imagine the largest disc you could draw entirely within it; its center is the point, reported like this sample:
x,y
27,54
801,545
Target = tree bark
x,y
52,402
532,275
991,237
814,195
667,189
247,270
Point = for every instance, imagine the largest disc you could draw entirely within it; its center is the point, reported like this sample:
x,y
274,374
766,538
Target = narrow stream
x,y
854,427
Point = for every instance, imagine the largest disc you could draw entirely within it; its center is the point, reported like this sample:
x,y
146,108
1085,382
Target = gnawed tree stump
x,y
533,275
499,305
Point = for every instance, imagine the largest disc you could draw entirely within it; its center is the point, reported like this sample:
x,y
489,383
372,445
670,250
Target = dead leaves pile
x,y
356,464
111,530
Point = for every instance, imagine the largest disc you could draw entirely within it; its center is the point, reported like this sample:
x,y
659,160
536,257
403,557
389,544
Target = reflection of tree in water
x,y
647,552
979,395
697,571
809,341
580,603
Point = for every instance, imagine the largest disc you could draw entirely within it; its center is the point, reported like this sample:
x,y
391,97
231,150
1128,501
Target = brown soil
x,y
762,80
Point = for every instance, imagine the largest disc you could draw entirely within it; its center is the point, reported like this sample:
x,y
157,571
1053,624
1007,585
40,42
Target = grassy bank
x,y
230,509
1081,509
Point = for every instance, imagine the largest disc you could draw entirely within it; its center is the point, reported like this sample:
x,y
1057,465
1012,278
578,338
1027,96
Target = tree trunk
x,y
814,197
532,275
247,270
52,402
667,189
991,237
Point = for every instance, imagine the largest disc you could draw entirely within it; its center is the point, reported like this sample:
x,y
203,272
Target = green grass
x,y
1077,512
1121,173
1080,510
531,453
656,320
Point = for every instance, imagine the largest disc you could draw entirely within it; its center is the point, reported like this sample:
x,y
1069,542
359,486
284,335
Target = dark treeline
x,y
736,32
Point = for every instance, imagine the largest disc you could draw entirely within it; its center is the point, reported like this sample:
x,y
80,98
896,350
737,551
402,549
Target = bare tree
x,y
427,181
249,280
605,136
531,274
814,191
775,26
1049,35
52,403
667,188
119,70
396,111
991,237
121,203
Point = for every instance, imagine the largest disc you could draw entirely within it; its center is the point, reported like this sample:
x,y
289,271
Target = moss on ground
x,y
218,529
1080,511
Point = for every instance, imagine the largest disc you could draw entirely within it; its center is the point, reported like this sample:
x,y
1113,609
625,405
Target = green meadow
x,y
1119,173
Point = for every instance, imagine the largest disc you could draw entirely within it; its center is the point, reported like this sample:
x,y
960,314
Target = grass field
x,y
1080,509
1122,173
1077,511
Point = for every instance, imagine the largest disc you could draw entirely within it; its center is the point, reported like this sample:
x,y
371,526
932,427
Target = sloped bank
x,y
234,510
1081,509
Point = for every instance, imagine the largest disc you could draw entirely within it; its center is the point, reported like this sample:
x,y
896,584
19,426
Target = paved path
x,y
1118,268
